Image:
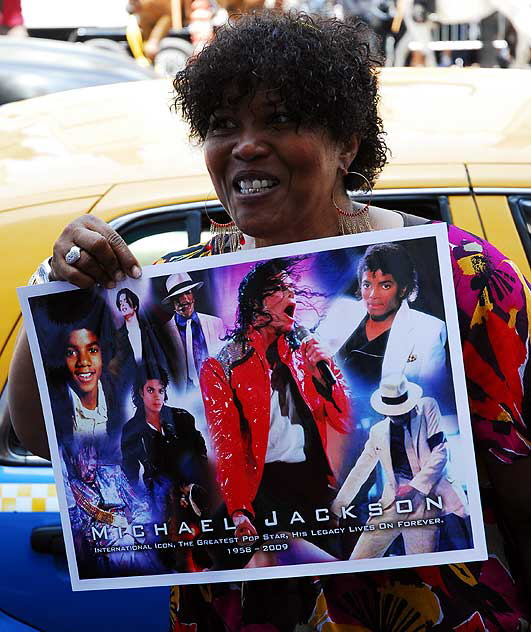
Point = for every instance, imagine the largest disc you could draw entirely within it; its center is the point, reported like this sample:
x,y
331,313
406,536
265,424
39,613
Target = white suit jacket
x,y
416,340
213,330
427,465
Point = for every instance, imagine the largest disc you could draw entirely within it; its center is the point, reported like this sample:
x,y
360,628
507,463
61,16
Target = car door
x,y
502,195
35,585
36,591
37,551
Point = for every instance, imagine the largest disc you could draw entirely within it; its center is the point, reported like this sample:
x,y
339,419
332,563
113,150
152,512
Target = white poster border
x,y
479,550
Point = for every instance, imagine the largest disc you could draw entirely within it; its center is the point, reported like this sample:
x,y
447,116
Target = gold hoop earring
x,y
224,237
354,222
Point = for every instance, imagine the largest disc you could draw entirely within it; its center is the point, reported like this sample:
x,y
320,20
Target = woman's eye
x,y
219,123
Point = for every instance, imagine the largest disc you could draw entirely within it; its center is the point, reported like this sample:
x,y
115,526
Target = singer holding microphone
x,y
269,396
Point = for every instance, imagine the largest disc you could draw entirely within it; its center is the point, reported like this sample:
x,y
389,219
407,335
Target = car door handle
x,y
48,539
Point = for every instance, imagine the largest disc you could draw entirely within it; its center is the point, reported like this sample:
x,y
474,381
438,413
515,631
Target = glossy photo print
x,y
289,411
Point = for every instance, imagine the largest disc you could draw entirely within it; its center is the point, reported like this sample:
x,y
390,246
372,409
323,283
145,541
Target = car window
x,y
11,450
152,233
432,206
155,232
521,209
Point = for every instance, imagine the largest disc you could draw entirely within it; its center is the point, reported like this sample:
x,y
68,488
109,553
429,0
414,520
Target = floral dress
x,y
494,309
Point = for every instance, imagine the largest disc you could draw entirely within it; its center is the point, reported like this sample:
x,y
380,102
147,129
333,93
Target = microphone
x,y
301,335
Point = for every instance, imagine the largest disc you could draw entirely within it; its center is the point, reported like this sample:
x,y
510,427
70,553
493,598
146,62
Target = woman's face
x,y
381,293
83,360
276,179
153,393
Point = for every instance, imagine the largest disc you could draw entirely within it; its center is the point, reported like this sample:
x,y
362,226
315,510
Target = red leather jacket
x,y
236,385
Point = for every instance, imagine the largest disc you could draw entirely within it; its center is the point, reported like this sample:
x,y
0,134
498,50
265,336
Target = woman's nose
x,y
249,146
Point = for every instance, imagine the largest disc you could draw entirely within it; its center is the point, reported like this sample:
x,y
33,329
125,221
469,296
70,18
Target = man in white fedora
x,y
412,451
195,336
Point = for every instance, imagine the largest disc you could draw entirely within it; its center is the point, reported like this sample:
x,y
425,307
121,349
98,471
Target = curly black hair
x,y
145,372
58,315
324,69
393,259
266,278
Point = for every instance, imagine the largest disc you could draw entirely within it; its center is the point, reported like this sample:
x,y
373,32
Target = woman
x,y
286,107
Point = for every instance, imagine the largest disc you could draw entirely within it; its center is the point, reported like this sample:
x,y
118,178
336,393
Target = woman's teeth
x,y
255,186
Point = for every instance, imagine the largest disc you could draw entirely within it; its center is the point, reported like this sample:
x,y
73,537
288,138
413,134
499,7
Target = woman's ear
x,y
349,152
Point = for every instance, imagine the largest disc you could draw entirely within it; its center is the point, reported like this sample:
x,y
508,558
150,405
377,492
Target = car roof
x,y
96,138
457,114
34,67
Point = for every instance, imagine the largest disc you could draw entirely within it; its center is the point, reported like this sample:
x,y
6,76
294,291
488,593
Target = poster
x,y
288,411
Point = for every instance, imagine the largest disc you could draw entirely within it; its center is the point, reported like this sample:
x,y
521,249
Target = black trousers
x,y
285,488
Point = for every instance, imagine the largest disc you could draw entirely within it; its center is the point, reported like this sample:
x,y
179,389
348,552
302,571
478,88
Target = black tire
x,y
172,56
108,45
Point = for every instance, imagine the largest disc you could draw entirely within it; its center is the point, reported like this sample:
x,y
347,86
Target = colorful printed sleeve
x,y
494,305
192,252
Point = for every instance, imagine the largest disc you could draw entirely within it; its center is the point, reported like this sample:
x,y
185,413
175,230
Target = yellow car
x,y
461,153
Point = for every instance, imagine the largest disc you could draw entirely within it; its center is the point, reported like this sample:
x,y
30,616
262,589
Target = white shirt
x,y
286,440
86,421
135,339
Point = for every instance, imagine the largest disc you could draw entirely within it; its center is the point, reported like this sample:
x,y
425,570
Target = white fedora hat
x,y
179,283
396,396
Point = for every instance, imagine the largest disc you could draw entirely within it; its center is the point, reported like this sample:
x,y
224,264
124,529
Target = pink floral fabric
x,y
494,305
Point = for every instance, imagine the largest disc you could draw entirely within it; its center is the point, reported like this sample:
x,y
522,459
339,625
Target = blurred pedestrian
x,y
11,20
155,20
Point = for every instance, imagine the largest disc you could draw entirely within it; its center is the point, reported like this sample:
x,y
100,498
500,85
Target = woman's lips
x,y
254,185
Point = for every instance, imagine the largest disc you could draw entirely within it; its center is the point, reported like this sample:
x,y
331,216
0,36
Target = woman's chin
x,y
261,228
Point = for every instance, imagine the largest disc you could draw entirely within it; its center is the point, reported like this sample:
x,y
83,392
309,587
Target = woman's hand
x,y
105,257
